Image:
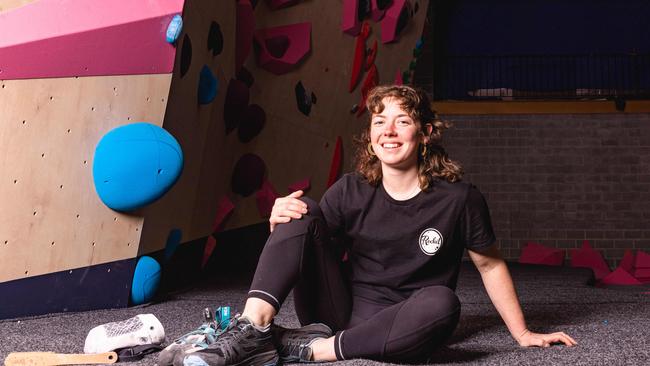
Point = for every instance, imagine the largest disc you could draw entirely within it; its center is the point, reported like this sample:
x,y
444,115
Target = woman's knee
x,y
313,209
432,307
307,223
441,299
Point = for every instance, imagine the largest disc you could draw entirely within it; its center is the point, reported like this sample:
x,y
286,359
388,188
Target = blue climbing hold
x,y
146,280
208,86
419,43
135,165
174,28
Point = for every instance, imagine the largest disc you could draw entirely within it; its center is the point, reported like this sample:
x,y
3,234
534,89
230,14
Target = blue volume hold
x,y
135,164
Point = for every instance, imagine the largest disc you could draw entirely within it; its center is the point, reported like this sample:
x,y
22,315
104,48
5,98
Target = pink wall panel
x,y
62,38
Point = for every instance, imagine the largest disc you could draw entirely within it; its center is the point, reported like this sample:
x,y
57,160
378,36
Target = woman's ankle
x,y
323,349
258,311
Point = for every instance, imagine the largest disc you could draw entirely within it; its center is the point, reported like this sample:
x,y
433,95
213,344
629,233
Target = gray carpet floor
x,y
611,325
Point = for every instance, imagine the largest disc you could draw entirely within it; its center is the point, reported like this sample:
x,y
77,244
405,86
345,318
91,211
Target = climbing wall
x,y
53,115
253,141
258,95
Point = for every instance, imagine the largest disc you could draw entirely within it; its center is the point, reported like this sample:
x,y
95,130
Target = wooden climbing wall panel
x,y
51,218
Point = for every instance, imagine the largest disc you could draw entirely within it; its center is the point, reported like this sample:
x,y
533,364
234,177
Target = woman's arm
x,y
498,284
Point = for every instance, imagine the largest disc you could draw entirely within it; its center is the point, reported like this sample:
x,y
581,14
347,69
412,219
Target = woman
x,y
404,219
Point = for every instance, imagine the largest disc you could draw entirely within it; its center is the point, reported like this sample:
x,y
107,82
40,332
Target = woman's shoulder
x,y
460,189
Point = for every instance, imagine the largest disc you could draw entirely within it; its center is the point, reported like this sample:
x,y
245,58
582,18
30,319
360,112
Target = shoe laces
x,y
204,335
300,348
227,339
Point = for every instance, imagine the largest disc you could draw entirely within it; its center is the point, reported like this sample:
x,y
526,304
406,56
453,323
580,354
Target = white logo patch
x,y
430,241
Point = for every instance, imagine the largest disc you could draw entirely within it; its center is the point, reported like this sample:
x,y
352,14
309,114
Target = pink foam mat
x,y
627,263
620,277
534,253
642,266
587,257
86,38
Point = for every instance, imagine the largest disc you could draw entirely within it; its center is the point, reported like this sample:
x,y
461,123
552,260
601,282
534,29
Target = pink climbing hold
x,y
210,244
265,198
350,23
389,25
282,48
376,13
337,160
359,56
278,4
398,78
244,32
371,81
224,209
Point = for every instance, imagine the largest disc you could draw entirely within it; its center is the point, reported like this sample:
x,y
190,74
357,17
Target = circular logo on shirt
x,y
430,241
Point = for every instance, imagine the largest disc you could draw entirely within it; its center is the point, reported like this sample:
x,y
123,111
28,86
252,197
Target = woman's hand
x,y
530,339
287,208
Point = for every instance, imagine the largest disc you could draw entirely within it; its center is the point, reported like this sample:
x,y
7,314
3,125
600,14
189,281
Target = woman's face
x,y
395,136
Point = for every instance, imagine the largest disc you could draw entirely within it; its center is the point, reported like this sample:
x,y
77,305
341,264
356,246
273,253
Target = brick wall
x,y
560,179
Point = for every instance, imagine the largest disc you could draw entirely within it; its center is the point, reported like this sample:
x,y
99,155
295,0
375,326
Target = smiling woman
x,y
406,219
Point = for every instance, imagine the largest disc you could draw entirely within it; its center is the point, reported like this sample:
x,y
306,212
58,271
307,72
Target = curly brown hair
x,y
435,164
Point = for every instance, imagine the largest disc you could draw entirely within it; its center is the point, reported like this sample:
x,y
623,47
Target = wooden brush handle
x,y
53,359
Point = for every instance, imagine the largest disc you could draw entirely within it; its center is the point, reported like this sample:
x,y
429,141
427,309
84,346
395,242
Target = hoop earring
x,y
369,148
424,150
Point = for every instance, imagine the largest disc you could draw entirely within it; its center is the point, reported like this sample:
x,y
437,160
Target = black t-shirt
x,y
397,247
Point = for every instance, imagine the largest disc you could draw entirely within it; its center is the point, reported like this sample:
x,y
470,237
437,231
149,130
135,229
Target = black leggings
x,y
299,255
